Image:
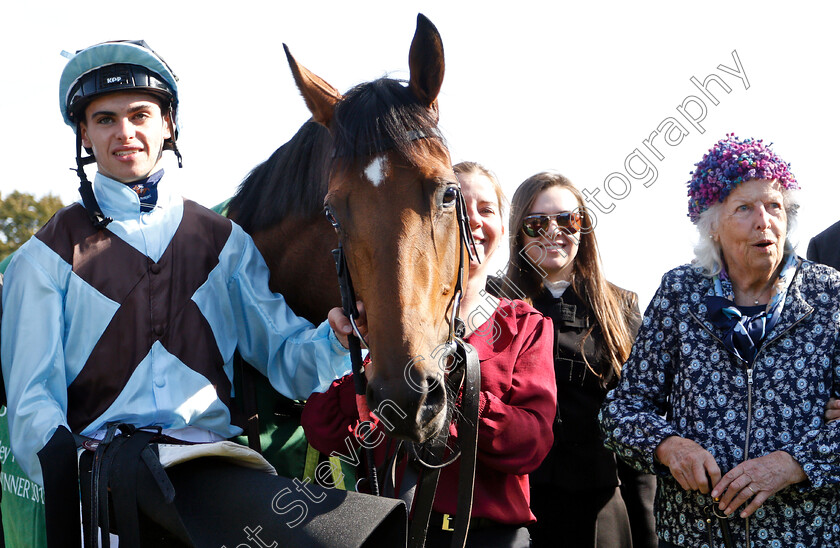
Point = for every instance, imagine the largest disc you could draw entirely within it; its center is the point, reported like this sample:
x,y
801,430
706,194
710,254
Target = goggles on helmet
x,y
112,78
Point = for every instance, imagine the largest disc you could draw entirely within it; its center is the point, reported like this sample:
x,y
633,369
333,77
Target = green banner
x,y
23,499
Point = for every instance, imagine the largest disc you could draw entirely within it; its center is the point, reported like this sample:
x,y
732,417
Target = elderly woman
x,y
723,393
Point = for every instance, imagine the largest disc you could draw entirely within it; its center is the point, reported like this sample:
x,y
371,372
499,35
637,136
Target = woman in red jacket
x,y
517,399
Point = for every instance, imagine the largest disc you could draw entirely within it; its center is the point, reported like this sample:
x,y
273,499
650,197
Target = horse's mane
x,y
380,115
371,117
292,181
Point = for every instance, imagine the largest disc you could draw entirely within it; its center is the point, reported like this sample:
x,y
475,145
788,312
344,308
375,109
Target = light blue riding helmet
x,y
115,66
106,68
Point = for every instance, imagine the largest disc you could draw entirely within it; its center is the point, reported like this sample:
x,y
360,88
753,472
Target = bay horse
x,y
374,160
281,205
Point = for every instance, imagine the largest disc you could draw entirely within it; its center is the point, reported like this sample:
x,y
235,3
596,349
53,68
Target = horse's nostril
x,y
435,399
437,392
411,411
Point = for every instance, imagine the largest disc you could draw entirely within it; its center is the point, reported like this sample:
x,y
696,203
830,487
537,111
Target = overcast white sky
x,y
530,86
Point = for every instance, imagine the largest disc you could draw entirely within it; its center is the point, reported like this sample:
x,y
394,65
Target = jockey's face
x,y
126,131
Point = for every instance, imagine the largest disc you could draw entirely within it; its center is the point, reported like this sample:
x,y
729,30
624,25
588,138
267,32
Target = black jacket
x,y
825,247
578,461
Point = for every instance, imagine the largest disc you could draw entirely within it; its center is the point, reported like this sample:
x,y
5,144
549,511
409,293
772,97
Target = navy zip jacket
x,y
680,380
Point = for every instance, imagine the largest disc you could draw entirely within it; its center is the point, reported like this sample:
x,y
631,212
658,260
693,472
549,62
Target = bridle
x,y
465,375
466,241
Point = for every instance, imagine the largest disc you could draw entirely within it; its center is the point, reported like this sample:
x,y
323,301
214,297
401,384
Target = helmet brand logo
x,y
114,76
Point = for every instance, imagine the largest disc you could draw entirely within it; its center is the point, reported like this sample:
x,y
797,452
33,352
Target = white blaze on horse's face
x,y
376,170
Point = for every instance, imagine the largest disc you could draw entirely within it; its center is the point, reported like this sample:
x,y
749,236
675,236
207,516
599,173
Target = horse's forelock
x,y
380,115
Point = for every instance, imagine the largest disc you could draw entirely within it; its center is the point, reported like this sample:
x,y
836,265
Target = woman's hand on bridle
x,y
690,464
341,325
759,479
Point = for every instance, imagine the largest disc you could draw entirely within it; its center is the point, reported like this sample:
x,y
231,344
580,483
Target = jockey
x,y
128,308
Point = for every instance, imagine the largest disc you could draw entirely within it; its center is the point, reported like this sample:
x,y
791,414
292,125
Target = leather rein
x,y
464,375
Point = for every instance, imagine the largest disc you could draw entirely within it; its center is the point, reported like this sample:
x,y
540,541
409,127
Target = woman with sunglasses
x,y
516,399
554,264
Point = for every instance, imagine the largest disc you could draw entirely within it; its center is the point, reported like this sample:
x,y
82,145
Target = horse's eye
x,y
331,217
449,196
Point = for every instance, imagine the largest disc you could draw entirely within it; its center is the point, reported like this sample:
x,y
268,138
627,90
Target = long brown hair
x,y
605,300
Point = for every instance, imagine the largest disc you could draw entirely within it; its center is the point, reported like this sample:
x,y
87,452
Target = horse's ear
x,y
320,96
425,60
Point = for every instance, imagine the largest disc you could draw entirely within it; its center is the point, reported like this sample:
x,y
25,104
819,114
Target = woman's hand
x,y
690,464
759,479
832,410
341,324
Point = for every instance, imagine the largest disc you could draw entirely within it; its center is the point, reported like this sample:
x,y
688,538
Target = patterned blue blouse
x,y
681,380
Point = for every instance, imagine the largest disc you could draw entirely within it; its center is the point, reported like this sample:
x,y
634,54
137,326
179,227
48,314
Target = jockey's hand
x,y
341,324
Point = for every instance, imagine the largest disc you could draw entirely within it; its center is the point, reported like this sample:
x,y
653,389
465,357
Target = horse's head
x,y
393,199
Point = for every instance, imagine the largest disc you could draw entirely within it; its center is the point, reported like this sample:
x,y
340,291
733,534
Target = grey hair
x,y
707,253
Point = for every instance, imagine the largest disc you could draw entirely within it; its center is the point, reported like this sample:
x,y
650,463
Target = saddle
x,y
208,502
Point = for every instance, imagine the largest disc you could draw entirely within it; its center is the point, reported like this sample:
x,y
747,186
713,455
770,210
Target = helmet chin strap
x,y
169,144
98,219
177,153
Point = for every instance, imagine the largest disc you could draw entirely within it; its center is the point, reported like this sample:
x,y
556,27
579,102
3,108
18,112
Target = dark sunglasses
x,y
569,222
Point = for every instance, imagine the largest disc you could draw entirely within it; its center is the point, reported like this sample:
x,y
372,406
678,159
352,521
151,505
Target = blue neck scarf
x,y
147,190
745,328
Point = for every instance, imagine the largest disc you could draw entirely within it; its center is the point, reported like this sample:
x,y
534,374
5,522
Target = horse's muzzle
x,y
414,411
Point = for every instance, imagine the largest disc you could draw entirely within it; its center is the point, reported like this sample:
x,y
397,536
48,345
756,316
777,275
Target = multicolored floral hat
x,y
729,163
